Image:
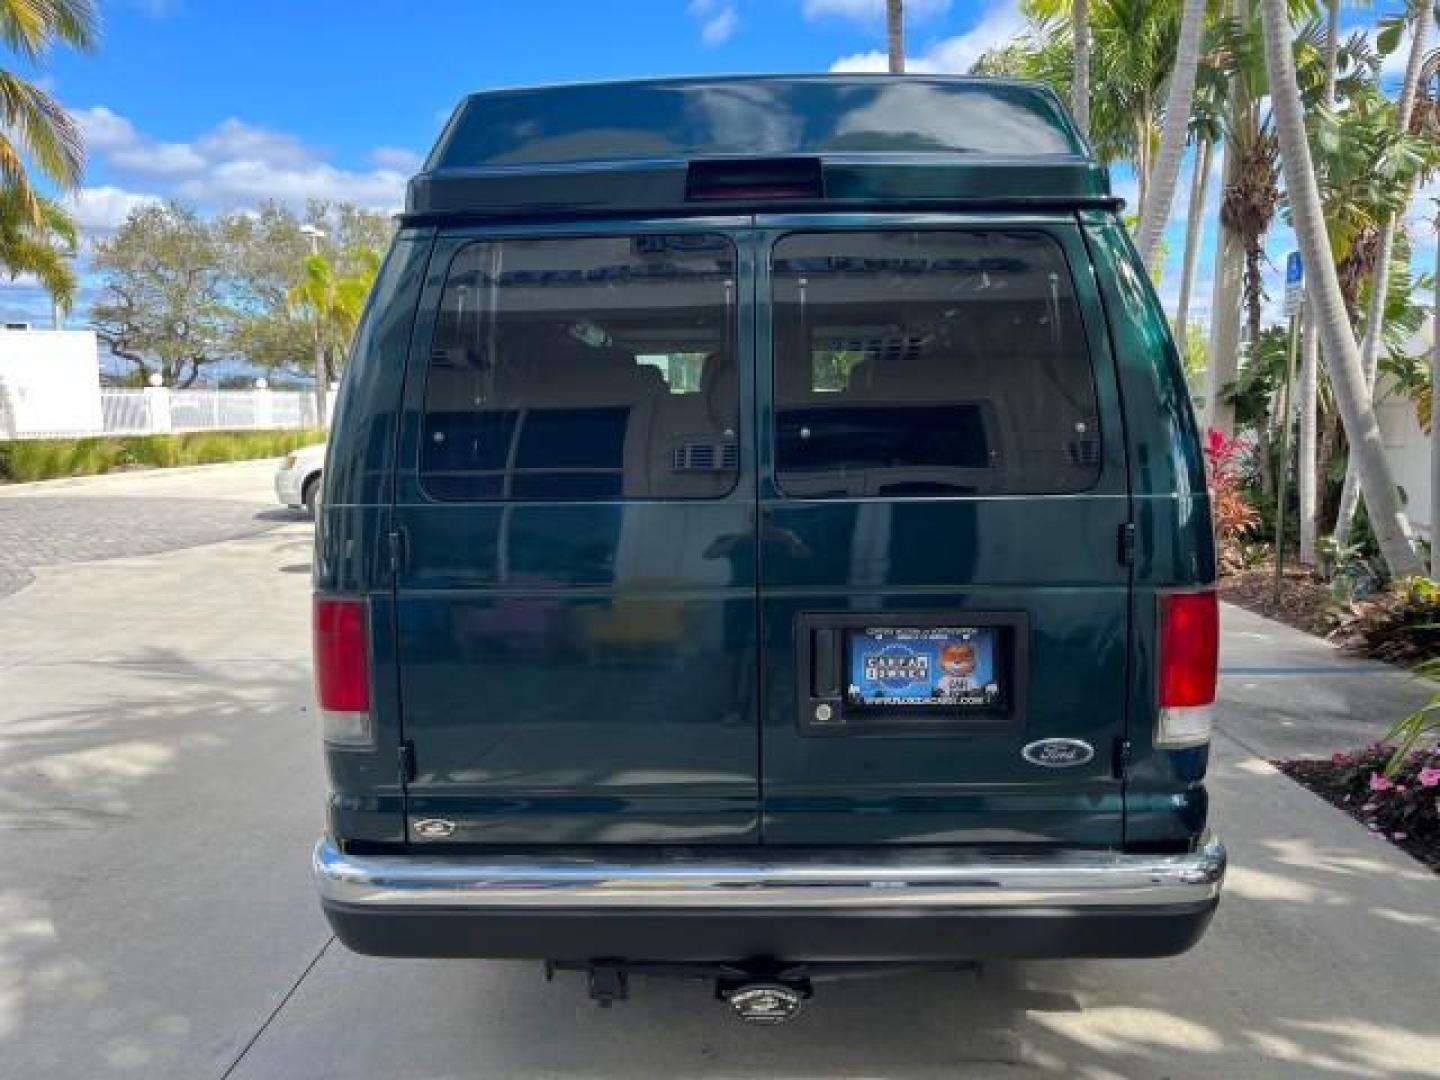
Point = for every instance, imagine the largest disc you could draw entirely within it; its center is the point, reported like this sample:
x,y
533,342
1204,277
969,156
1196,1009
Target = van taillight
x,y
342,669
1189,657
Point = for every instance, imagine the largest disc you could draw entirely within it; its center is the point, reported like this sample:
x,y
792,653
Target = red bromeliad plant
x,y
1234,517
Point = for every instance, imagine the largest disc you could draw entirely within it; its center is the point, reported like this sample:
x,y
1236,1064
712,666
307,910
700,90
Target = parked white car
x,y
297,481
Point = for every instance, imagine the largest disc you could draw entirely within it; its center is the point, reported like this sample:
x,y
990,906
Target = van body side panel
x,y
351,553
1051,559
1166,801
577,662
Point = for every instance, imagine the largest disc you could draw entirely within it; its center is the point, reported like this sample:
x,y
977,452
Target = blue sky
x,y
223,105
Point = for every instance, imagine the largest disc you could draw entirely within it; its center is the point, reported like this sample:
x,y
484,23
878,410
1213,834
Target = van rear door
x,y
943,506
575,507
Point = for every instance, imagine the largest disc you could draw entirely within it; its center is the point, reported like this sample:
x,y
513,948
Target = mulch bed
x,y
1304,602
1328,781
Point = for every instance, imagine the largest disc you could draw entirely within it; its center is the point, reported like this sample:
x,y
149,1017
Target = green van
x,y
765,533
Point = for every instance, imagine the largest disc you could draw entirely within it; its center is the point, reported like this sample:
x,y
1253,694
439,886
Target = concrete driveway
x,y
161,784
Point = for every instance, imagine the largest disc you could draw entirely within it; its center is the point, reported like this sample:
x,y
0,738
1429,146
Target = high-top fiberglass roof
x,y
754,116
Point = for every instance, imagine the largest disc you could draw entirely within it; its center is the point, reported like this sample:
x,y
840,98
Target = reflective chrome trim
x,y
775,880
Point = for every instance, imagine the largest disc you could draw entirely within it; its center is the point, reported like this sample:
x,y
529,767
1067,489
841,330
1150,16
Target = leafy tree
x,y
1342,355
266,256
32,123
330,301
164,305
42,250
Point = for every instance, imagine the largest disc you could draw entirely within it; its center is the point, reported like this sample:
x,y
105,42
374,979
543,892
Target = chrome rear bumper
x,y
775,880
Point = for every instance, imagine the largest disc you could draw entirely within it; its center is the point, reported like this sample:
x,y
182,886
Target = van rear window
x,y
921,363
596,368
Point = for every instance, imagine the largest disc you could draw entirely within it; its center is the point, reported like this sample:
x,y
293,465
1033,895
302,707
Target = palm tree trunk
x,y
322,382
1142,161
1309,390
1435,425
1380,285
1392,529
1080,82
1199,188
1308,397
895,34
1224,356
1166,172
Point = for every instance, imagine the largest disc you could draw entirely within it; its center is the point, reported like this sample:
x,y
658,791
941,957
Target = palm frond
x,y
32,27
43,128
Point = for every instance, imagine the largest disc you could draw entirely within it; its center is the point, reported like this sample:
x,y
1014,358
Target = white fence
x,y
159,409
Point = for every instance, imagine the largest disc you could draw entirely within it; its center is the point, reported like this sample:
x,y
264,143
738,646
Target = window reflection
x,y
930,363
584,369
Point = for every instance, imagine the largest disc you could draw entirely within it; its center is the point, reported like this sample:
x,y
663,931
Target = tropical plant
x,y
1400,625
45,249
33,125
331,302
1417,742
264,252
1422,20
1392,531
1131,51
1233,514
1394,792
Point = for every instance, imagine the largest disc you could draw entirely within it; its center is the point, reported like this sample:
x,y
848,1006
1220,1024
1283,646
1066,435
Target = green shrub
x,y
1401,625
47,459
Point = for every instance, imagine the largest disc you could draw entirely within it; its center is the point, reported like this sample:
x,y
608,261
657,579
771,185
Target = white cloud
x,y
233,165
397,158
870,10
232,185
235,140
718,19
1000,24
103,129
102,209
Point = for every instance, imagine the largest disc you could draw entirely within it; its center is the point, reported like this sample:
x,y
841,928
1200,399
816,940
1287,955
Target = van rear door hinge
x,y
1127,544
1122,758
398,549
407,761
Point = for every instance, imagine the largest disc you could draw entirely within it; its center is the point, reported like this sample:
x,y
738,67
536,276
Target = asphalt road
x,y
161,785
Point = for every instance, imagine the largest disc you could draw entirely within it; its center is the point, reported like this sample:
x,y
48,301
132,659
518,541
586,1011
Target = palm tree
x,y
1422,19
1178,103
895,34
1308,392
331,301
44,250
1080,86
1130,47
1435,423
1347,377
33,125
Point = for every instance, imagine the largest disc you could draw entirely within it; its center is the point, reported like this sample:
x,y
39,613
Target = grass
x,y
49,459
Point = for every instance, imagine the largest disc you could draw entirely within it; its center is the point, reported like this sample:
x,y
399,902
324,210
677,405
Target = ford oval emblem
x,y
1058,753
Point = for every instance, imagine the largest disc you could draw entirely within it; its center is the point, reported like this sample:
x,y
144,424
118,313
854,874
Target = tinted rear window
x,y
930,363
597,368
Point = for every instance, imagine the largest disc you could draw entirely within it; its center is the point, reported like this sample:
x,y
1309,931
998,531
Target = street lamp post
x,y
322,375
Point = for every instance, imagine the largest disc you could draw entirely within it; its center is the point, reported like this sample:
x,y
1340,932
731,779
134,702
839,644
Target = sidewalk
x,y
1286,694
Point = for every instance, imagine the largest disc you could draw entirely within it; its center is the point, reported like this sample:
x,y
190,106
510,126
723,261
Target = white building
x,y
49,383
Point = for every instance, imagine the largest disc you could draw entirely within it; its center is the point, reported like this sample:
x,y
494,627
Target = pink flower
x,y
1429,776
1341,759
1380,782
